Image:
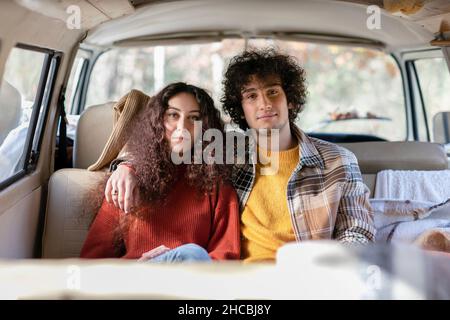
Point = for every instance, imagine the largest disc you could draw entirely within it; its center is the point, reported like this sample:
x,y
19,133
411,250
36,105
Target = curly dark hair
x,y
262,63
151,151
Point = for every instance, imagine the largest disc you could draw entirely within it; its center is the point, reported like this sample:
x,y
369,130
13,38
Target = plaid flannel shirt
x,y
327,198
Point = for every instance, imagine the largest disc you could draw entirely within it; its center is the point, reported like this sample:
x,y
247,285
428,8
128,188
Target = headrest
x,y
93,130
409,155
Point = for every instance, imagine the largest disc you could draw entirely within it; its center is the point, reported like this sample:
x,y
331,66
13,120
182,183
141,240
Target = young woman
x,y
188,212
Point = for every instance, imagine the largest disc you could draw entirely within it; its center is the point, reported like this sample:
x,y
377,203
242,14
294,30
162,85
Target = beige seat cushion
x,y
93,130
69,211
370,181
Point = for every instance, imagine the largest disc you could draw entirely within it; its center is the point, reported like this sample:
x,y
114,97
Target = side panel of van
x,y
21,198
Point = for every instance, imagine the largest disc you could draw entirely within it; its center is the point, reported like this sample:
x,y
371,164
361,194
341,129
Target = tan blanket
x,y
124,111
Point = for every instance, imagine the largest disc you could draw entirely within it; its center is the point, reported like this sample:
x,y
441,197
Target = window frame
x,y
85,78
35,132
419,85
73,100
411,78
419,96
405,91
79,94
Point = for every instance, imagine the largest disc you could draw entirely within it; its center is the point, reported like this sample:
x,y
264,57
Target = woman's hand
x,y
122,189
154,253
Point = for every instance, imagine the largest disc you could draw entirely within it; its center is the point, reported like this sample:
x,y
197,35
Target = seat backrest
x,y
70,200
93,130
409,155
441,123
69,211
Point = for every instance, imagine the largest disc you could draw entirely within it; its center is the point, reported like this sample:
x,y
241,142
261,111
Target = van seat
x,y
406,155
93,130
68,214
66,226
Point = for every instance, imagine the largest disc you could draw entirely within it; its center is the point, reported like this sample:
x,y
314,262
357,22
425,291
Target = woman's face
x,y
179,118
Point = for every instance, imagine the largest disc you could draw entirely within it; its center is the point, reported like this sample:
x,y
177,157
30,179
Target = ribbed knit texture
x,y
186,216
266,222
124,111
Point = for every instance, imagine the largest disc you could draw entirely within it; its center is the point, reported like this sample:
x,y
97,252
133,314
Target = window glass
x,y
118,71
18,94
351,90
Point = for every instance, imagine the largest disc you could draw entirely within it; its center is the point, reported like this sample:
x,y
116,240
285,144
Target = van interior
x,y
378,77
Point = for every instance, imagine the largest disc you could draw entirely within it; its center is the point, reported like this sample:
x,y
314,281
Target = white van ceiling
x,y
122,22
93,12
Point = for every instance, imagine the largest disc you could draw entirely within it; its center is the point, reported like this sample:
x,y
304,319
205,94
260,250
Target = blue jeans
x,y
190,252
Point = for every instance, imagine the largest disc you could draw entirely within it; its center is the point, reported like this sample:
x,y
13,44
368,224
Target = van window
x,y
351,90
434,80
117,71
26,86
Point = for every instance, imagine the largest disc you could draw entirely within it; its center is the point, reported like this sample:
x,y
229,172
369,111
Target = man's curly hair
x,y
262,63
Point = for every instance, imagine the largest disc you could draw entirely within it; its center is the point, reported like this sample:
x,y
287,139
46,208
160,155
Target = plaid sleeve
x,y
354,220
114,164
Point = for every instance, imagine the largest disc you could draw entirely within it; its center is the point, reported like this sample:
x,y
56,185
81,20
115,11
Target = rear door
x,y
428,74
26,89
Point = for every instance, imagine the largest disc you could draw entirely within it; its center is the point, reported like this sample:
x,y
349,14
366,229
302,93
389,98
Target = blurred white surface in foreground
x,y
308,270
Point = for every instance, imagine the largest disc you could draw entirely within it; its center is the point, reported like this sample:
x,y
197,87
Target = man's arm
x,y
354,221
122,187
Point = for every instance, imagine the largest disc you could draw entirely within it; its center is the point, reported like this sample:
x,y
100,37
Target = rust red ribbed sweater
x,y
211,221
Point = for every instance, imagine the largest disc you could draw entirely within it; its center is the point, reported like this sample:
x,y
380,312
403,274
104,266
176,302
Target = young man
x,y
317,192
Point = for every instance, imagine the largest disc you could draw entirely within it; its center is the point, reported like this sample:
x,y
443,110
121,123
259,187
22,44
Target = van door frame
x,y
93,54
413,94
42,100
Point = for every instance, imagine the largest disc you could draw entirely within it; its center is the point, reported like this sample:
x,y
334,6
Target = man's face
x,y
265,104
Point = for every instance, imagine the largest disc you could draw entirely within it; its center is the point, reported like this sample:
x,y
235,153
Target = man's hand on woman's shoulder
x,y
122,189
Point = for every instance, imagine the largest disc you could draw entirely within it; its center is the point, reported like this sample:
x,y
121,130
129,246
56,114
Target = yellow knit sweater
x,y
266,223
